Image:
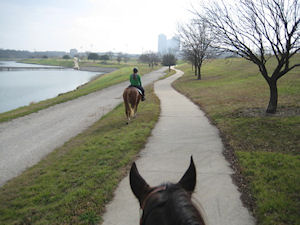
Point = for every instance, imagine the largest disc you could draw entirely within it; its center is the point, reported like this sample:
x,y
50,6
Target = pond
x,y
22,87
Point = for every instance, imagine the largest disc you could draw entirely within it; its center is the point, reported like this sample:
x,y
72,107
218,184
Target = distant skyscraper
x,y
168,45
174,44
162,43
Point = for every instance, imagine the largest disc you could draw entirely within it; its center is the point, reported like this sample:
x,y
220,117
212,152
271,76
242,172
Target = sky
x,y
128,26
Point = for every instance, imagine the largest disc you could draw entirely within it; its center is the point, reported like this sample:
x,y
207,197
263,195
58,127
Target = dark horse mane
x,y
174,201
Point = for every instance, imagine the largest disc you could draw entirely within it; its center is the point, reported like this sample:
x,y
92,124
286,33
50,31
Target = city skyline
x,y
166,45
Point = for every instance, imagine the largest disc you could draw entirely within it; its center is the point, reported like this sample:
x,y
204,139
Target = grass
x,y
235,96
70,63
73,183
274,181
100,83
168,74
51,62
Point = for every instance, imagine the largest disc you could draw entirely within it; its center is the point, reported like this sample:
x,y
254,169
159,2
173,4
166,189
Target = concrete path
x,y
182,131
24,141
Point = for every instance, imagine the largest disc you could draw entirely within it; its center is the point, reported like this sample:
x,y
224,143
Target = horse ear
x,y
138,185
188,181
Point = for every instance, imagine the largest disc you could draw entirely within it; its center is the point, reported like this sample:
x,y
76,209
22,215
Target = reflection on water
x,y
19,88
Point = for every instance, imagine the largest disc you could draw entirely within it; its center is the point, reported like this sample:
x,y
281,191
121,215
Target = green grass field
x,y
235,96
51,62
103,81
74,182
69,62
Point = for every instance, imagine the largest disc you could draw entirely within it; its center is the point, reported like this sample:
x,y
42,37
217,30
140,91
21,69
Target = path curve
x,y
182,131
24,141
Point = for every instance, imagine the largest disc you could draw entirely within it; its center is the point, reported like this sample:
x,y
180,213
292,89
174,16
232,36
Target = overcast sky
x,y
130,26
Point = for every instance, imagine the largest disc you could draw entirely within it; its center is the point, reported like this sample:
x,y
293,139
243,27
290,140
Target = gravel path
x,y
24,141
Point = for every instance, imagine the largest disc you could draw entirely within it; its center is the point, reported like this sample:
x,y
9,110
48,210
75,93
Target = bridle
x,y
144,202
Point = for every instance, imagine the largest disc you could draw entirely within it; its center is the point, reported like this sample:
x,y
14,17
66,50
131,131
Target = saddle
x,y
141,93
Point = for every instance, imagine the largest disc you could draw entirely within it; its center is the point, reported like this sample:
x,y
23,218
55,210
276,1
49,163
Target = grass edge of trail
x,y
73,184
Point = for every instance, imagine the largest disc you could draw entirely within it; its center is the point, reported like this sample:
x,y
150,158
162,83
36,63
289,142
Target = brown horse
x,y
167,204
131,97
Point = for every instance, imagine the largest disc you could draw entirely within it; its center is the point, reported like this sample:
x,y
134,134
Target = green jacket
x,y
137,81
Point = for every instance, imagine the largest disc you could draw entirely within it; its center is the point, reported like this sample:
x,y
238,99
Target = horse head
x,y
168,203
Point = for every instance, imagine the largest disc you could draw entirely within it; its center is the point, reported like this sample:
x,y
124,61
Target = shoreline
x,y
82,68
97,69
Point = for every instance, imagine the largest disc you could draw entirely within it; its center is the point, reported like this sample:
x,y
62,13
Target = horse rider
x,y
135,81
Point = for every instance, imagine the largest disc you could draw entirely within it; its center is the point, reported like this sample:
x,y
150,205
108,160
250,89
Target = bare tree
x,y
189,56
258,30
195,41
110,55
119,57
126,57
150,57
169,60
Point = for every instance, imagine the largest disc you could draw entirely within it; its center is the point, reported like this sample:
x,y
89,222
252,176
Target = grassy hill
x,y
263,149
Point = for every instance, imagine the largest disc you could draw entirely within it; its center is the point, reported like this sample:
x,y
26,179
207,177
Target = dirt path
x,y
182,131
24,141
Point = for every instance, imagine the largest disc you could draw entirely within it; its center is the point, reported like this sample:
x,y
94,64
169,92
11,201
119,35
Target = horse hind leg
x,y
127,111
136,105
129,114
131,109
134,111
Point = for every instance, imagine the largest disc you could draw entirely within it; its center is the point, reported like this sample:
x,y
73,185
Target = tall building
x,y
162,43
174,44
168,45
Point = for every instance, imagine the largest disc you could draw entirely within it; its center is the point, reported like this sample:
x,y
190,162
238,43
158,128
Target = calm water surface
x,y
20,88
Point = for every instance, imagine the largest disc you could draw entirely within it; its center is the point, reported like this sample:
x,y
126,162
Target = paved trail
x,y
24,141
181,131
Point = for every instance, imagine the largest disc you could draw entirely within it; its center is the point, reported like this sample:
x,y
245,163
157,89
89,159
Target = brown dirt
x,y
261,112
237,177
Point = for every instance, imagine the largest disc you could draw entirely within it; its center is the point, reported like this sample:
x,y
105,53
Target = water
x,y
20,88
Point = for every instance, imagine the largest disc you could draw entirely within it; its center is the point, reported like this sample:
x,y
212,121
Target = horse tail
x,y
131,111
131,99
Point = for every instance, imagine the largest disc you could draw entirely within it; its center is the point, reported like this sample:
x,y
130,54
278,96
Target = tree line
x,y
7,53
153,59
150,58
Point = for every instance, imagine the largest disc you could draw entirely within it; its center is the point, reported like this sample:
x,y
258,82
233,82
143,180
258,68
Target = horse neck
x,y
176,202
184,208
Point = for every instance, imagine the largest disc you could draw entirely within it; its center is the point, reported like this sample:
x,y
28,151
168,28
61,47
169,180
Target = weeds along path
x,y
24,141
182,131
